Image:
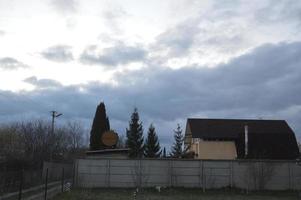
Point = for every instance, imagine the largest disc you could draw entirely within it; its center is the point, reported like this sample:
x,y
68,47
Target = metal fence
x,y
36,184
205,174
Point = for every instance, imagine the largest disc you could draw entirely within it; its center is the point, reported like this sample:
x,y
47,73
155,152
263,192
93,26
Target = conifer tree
x,y
100,125
134,136
164,153
177,147
152,145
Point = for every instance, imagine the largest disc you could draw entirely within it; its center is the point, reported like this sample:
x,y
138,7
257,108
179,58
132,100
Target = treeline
x,y
150,147
28,144
139,146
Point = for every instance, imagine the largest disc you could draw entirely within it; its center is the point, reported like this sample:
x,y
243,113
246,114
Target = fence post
x,y
292,176
203,178
21,185
63,179
74,173
109,174
289,176
248,175
231,174
170,172
140,174
46,180
200,172
107,181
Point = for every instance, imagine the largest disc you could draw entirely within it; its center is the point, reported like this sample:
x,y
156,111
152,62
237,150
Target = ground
x,y
172,194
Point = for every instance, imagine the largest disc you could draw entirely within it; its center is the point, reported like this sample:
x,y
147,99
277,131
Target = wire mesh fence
x,y
25,183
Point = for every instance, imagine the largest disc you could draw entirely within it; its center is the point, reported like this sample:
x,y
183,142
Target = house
x,y
240,139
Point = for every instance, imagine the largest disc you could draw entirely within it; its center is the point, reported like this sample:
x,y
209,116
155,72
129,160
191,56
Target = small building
x,y
240,139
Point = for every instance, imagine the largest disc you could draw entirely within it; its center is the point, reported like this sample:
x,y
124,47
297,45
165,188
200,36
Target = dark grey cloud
x,y
59,53
263,83
43,83
9,63
120,53
65,6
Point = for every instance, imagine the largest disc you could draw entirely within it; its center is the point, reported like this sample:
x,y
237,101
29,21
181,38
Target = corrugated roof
x,y
272,139
231,128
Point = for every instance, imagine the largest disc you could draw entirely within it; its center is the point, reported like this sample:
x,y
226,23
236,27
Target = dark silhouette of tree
x,y
100,125
107,122
164,153
134,136
152,146
29,143
177,147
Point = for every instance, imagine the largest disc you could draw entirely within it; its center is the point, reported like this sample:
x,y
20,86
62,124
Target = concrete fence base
x,y
206,174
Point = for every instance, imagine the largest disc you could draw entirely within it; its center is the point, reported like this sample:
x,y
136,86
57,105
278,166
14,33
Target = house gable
x,y
267,139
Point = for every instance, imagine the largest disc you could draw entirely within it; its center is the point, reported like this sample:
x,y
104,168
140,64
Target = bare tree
x,y
75,134
11,143
35,140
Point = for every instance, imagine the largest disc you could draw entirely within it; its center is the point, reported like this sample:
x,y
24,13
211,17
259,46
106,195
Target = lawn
x,y
171,194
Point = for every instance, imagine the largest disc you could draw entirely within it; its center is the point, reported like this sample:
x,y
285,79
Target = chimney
x,y
246,140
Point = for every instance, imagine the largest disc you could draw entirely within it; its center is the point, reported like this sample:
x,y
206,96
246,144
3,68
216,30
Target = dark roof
x,y
231,128
272,139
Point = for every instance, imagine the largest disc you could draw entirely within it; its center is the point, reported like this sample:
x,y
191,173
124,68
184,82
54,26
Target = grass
x,y
172,194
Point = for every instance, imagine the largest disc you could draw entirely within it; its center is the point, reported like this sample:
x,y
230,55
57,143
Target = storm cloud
x,y
264,83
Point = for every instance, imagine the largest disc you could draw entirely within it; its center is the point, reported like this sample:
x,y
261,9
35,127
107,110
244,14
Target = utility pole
x,y
54,114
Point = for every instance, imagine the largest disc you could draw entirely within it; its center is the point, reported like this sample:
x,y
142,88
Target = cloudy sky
x,y
172,59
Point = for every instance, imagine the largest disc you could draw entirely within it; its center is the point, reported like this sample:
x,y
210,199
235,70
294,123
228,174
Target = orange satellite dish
x,y
109,138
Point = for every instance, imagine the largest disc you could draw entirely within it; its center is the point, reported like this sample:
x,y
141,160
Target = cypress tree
x,y
152,146
100,125
134,136
177,147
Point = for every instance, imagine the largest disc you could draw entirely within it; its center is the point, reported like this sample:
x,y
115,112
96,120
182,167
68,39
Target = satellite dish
x,y
109,138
